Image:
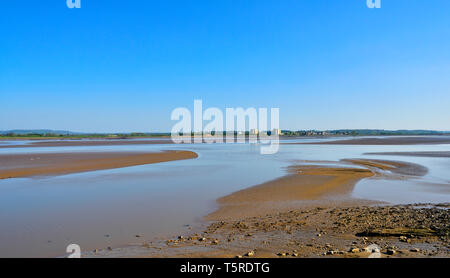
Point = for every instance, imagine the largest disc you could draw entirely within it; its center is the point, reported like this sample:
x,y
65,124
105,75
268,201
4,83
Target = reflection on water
x,y
41,216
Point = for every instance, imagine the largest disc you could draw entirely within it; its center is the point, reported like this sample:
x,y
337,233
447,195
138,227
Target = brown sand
x,y
306,183
397,167
75,143
345,231
423,140
255,222
49,164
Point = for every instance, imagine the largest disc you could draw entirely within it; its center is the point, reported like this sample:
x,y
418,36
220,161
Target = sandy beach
x,y
50,164
303,183
308,183
309,213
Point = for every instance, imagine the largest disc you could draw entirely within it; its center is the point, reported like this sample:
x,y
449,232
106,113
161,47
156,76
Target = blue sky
x,y
120,66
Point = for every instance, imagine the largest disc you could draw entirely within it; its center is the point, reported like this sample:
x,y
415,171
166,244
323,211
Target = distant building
x,y
276,131
254,131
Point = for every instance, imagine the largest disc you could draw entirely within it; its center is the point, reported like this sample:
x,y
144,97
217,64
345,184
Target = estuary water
x,y
40,216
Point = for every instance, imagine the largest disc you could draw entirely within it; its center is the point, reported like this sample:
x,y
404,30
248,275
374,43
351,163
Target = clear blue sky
x,y
119,66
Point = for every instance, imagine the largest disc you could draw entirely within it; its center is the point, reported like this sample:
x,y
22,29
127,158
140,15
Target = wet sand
x,y
417,154
417,140
345,230
422,140
77,143
299,216
304,183
108,142
396,167
308,183
51,164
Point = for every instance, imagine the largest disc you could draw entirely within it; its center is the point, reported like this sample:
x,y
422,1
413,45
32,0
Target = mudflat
x,y
35,143
345,231
396,167
265,220
303,183
50,164
76,143
418,154
308,183
416,140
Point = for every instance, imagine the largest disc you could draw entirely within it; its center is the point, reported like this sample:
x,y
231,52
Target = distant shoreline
x,y
417,154
349,140
48,134
394,140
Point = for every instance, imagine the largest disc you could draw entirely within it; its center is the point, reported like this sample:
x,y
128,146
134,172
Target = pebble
x,y
404,239
415,250
354,250
390,251
250,254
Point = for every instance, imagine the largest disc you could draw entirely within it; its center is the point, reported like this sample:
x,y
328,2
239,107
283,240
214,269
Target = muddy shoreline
x,y
52,164
84,143
42,142
294,216
345,229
